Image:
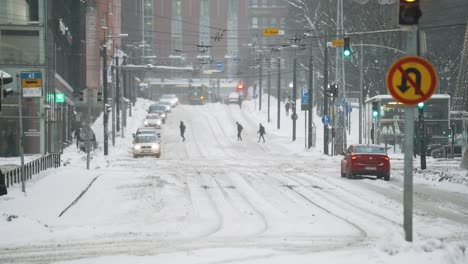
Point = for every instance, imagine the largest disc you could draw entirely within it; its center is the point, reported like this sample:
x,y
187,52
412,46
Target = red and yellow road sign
x,y
411,80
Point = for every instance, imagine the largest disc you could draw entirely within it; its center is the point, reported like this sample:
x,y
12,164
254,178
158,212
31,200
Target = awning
x,y
5,77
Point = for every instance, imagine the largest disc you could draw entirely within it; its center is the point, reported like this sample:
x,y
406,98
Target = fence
x,y
29,169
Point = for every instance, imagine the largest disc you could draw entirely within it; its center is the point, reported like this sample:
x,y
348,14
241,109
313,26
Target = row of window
x,y
267,3
268,22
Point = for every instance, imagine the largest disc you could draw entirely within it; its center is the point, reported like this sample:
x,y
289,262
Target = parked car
x,y
360,159
171,98
82,140
158,109
146,145
153,120
232,98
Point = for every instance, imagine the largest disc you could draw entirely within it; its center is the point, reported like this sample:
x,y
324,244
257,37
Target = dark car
x,y
82,140
362,159
158,109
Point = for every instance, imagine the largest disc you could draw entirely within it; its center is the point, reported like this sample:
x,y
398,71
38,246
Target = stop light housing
x,y
409,12
450,132
375,110
108,108
347,48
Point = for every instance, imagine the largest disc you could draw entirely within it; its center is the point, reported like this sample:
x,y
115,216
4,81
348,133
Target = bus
x,y
198,95
389,126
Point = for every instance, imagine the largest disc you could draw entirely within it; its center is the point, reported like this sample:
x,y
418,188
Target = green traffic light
x,y
421,105
347,53
375,114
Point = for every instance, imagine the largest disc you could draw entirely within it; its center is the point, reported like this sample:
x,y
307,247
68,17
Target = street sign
x,y
270,31
326,119
337,43
31,84
219,65
411,80
305,99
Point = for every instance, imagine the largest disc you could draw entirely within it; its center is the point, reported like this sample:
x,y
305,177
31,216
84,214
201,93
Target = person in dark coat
x,y
239,131
3,188
11,147
261,132
182,130
77,136
240,101
287,106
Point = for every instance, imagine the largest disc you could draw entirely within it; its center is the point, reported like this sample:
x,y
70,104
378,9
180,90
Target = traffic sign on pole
x,y
305,99
270,31
219,66
31,84
326,119
411,80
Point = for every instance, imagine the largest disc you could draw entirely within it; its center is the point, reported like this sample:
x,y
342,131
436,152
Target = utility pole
x,y
269,86
20,136
117,91
104,94
294,115
260,82
325,98
361,96
311,102
279,92
90,98
113,104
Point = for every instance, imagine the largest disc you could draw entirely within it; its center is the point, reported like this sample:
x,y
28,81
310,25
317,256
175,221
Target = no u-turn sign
x,y
411,80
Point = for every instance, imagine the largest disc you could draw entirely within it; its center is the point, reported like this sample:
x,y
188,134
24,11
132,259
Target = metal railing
x,y
31,168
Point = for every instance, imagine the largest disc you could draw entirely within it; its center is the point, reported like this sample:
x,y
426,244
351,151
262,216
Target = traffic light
x,y
421,110
108,108
5,78
450,132
409,12
240,87
375,110
99,96
347,48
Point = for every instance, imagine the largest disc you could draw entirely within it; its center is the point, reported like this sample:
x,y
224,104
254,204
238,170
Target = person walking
x,y
287,106
240,101
239,131
261,132
182,130
77,136
11,144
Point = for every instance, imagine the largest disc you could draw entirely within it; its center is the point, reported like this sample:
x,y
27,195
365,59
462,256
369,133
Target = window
x,y
273,21
19,47
282,22
254,3
254,22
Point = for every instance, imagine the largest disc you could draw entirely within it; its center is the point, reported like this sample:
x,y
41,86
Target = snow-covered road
x,y
213,199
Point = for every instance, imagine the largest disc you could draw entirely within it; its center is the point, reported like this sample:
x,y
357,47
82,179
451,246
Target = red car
x,y
362,159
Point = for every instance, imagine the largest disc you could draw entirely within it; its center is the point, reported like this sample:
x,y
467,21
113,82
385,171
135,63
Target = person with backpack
x,y
239,131
262,132
182,130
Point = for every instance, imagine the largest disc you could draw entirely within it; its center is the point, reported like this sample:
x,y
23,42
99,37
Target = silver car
x,y
172,98
153,120
146,145
168,105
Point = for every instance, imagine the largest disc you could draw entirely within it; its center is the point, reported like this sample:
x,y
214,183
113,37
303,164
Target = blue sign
x,y
305,99
219,65
326,119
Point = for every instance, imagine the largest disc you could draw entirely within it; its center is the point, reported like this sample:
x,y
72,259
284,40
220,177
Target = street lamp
x,y
104,86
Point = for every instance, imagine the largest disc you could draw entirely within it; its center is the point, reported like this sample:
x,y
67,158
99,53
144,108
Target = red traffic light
x,y
240,87
409,12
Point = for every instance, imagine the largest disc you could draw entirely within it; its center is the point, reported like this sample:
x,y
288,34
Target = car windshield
x,y
152,117
145,138
370,149
155,108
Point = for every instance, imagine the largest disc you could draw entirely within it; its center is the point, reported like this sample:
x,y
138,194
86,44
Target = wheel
x,y
436,153
342,173
386,176
135,156
349,173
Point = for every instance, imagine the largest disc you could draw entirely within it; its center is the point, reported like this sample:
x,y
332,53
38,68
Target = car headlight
x,y
137,147
155,147
158,122
163,115
146,123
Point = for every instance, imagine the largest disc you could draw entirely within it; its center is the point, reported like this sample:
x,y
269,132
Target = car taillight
x,y
386,158
201,97
353,157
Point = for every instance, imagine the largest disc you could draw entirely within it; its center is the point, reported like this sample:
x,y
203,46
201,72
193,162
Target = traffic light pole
x,y
409,130
325,99
117,92
279,93
104,94
311,104
260,82
294,115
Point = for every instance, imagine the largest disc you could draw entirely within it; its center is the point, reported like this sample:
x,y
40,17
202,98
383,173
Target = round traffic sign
x,y
294,116
411,80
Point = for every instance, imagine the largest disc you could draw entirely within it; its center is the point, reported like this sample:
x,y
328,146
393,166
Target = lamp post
x,y
104,87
